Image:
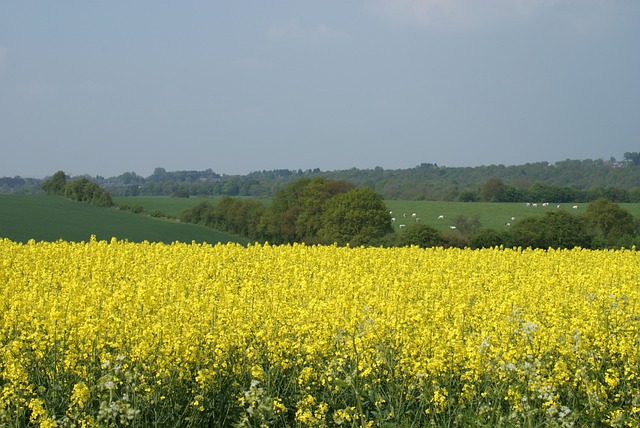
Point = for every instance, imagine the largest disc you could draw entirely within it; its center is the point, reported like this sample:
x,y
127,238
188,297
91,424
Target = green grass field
x,y
44,218
49,218
492,215
167,205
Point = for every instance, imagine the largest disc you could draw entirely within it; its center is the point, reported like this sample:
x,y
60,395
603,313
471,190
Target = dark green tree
x,y
541,192
313,203
357,217
632,158
84,190
468,196
296,211
180,193
467,225
528,233
104,199
492,191
421,235
238,216
488,238
195,214
610,221
284,211
55,185
556,229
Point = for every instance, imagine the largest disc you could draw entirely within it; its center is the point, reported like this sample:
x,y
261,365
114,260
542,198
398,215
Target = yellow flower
x,y
456,326
278,406
36,405
80,394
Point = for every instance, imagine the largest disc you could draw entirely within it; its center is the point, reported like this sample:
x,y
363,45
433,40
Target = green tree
x,y
284,211
85,190
297,210
632,157
467,225
610,221
195,214
468,196
492,191
421,235
488,238
180,193
556,229
242,217
313,203
104,199
357,217
541,192
55,185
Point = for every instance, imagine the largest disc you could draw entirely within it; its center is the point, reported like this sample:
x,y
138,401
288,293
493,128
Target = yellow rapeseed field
x,y
123,334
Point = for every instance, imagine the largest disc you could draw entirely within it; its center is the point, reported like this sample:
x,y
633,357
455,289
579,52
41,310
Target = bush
x,y
180,193
420,235
557,229
488,238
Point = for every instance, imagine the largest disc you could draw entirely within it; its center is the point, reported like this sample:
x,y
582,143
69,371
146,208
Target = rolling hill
x,y
50,218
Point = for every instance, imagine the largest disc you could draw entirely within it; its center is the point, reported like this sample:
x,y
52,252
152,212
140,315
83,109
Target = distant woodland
x,y
564,181
347,207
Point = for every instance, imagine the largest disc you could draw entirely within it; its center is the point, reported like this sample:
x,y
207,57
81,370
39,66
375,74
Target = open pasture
x,y
49,218
168,205
110,333
491,214
165,204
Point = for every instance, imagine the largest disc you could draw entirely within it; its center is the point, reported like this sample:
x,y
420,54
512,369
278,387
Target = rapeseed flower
x,y
149,333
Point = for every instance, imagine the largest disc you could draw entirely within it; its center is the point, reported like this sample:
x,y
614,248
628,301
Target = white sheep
x,y
440,217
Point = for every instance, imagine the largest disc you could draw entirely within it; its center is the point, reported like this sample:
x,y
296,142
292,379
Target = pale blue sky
x,y
103,88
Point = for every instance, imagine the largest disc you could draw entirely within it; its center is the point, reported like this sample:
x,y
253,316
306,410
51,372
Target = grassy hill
x,y
49,218
491,214
171,206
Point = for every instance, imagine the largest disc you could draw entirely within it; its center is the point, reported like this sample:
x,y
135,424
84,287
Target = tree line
x,y
309,210
495,190
80,189
577,181
570,180
322,211
603,225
